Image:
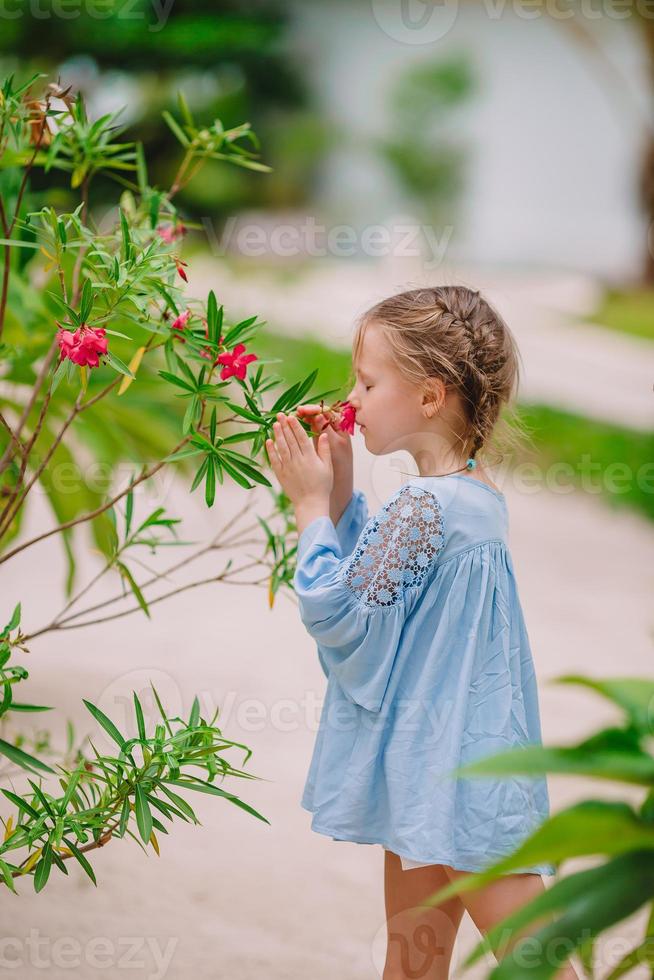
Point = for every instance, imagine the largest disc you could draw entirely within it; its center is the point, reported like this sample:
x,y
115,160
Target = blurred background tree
x,y
231,60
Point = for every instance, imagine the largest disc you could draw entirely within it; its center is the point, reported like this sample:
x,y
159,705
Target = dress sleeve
x,y
355,606
351,522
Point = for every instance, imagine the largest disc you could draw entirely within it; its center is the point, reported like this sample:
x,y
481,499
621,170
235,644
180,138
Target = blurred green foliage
x,y
426,154
628,311
231,61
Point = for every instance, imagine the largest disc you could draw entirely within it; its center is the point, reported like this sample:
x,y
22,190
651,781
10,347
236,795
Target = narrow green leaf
x,y
21,758
139,716
106,723
81,858
42,870
143,814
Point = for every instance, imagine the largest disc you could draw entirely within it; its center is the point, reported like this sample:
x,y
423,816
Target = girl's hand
x,y
340,442
340,446
305,473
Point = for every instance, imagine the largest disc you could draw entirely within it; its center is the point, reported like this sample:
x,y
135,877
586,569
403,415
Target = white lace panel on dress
x,y
397,547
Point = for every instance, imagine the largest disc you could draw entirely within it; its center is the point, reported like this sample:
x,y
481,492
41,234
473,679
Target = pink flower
x,y
170,233
235,363
348,414
180,322
67,342
84,346
178,265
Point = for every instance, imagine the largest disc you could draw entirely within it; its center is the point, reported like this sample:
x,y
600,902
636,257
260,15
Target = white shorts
x,y
407,863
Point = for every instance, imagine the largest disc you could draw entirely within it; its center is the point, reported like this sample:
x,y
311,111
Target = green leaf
x,y
70,788
182,454
243,412
210,485
81,858
167,376
22,804
124,817
86,303
200,473
591,901
13,622
106,723
42,870
202,787
161,709
19,706
5,871
141,169
119,365
183,108
21,758
181,803
191,414
143,814
161,289
139,716
134,587
127,240
629,767
235,475
639,956
245,467
58,375
635,695
293,395
175,128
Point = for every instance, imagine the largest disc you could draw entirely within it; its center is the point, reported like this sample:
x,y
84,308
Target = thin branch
x,y
60,619
100,842
45,367
221,577
10,228
8,514
145,475
20,445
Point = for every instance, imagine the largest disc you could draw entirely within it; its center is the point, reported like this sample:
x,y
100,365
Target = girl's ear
x,y
433,396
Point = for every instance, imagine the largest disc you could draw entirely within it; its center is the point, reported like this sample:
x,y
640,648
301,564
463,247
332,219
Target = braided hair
x,y
453,333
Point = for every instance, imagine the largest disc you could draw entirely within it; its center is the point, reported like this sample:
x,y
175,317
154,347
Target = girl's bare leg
x,y
492,903
420,937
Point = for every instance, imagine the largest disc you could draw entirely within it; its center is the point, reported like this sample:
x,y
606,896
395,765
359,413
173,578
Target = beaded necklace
x,y
470,465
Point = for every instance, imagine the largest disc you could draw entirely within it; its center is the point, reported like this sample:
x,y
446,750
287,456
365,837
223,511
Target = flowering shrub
x,y
88,317
570,916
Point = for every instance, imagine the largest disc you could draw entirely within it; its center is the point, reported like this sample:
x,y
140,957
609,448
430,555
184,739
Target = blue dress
x,y
420,633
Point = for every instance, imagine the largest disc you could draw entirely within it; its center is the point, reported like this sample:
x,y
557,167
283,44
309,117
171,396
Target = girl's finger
x,y
297,433
272,455
290,436
281,444
308,409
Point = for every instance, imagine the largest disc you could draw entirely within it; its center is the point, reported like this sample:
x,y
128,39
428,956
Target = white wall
x,y
555,141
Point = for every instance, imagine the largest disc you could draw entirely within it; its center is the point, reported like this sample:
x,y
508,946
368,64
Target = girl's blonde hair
x,y
453,333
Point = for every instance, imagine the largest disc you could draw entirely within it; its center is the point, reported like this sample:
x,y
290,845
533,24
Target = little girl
x,y
417,619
